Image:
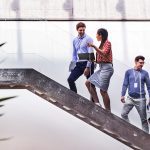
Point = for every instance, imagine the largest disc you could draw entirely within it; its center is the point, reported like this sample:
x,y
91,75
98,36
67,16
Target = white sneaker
x,y
98,104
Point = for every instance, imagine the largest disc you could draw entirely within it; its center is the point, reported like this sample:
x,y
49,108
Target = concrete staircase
x,y
76,105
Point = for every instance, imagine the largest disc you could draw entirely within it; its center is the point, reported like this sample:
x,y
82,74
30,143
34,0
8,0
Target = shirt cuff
x,y
88,64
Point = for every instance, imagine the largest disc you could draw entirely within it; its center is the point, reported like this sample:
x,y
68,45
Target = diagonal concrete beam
x,y
76,105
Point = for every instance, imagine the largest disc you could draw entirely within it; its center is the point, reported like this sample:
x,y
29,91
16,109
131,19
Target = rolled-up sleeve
x,y
106,48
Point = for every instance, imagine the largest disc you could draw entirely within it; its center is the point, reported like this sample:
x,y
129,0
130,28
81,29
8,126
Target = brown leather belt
x,y
105,62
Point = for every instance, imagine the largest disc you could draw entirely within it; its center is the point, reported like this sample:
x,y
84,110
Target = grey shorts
x,y
101,77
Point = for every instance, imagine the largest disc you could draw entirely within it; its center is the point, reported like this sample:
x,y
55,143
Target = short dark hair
x,y
137,58
80,24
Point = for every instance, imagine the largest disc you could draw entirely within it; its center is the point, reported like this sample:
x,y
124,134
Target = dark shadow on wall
x,y
120,7
15,6
2,99
68,6
5,139
2,53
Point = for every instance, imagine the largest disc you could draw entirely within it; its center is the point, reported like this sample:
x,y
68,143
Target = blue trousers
x,y
77,72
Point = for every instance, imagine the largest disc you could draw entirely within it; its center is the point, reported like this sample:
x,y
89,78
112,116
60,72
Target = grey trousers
x,y
140,105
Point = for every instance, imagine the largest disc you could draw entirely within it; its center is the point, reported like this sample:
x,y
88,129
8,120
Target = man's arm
x,y
124,86
74,54
147,80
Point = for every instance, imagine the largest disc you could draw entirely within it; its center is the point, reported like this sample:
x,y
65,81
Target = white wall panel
x,y
75,9
51,43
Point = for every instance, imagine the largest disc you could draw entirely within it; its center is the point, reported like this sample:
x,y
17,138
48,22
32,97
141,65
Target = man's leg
x,y
141,108
126,109
74,75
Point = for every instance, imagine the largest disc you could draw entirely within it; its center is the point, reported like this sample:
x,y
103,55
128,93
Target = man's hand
x,y
123,99
72,65
86,71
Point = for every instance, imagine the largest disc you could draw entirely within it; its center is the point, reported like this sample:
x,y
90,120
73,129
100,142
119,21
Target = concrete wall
x,y
47,47
75,9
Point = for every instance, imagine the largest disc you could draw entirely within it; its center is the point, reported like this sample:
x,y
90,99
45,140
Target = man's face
x,y
81,31
139,64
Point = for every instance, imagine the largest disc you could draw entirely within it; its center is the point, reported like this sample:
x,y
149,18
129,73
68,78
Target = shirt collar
x,y
137,69
81,37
